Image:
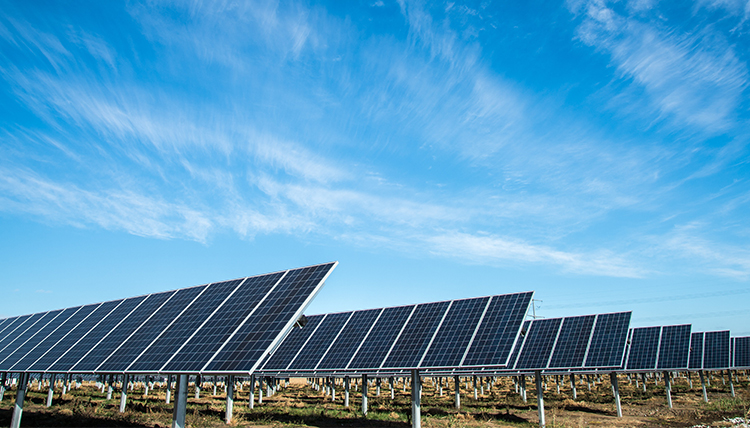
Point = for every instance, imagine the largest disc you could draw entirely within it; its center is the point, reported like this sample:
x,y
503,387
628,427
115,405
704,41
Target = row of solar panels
x,y
223,327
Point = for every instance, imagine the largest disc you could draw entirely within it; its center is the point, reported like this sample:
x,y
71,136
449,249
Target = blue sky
x,y
593,151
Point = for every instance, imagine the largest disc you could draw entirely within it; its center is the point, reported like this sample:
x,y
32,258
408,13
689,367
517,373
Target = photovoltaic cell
x,y
410,346
644,346
608,340
519,344
319,343
165,347
716,350
538,344
33,327
220,326
349,339
43,346
674,348
696,351
455,333
24,348
254,339
498,330
7,322
292,344
377,344
572,342
741,352
149,330
20,326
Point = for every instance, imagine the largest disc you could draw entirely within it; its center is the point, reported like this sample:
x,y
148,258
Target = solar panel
x,y
538,344
572,342
292,344
716,350
450,343
7,322
696,351
149,330
410,346
644,348
674,347
316,347
519,344
348,341
39,323
379,341
21,350
741,352
22,324
498,330
608,340
266,326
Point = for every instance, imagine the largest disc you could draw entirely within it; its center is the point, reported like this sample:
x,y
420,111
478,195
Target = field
x,y
300,405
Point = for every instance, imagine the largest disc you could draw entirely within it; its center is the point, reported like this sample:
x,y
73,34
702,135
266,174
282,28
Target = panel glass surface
x,y
74,354
608,341
644,344
716,350
572,342
5,328
163,348
24,334
254,338
519,344
498,331
20,326
220,326
412,343
292,344
377,344
349,339
32,341
675,347
454,335
319,343
538,344
45,345
742,352
696,351
148,331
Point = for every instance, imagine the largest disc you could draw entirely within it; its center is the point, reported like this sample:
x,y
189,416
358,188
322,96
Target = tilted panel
x,y
202,346
44,346
24,334
18,328
410,346
741,352
150,330
608,340
292,344
32,341
674,348
5,328
382,336
537,347
121,332
696,351
165,347
319,343
716,350
572,342
454,336
259,333
498,331
349,340
644,346
519,344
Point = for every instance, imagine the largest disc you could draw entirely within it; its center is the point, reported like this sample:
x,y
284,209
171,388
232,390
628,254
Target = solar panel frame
x,y
716,350
608,353
538,344
350,339
674,348
455,335
409,348
643,351
741,352
572,342
696,351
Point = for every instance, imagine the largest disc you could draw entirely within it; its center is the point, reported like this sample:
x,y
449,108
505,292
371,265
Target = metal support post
x,y
260,390
169,387
616,392
668,388
198,387
252,392
474,384
109,387
180,402
457,387
539,397
23,379
573,386
416,392
390,384
703,385
2,386
124,393
346,391
333,390
731,382
523,387
230,399
51,390
364,395
216,384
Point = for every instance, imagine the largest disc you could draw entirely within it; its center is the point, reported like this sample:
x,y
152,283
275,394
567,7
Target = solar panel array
x,y
662,348
710,350
450,334
589,342
223,327
741,352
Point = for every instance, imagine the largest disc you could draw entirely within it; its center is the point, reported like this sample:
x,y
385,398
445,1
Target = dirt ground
x,y
500,406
